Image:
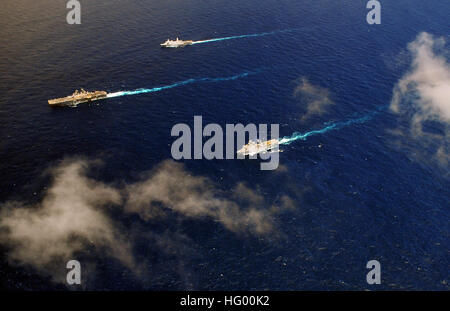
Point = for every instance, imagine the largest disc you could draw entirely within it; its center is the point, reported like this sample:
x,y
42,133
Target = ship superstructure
x,y
77,97
176,43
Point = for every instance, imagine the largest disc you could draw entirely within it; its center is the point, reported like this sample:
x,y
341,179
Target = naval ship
x,y
77,97
176,43
258,146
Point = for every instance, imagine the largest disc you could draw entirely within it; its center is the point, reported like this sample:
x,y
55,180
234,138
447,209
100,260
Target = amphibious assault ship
x,y
176,43
258,146
77,97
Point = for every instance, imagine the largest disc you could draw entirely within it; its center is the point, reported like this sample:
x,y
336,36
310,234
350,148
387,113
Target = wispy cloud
x,y
422,98
69,218
171,187
317,99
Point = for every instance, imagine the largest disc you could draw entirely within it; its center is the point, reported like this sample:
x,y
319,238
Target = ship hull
x,y
253,148
71,101
177,45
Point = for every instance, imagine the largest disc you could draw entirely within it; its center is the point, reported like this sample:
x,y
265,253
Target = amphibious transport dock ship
x,y
77,97
176,43
255,147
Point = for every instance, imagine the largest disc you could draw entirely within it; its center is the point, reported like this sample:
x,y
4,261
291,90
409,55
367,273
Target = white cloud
x,y
317,98
68,218
171,187
423,95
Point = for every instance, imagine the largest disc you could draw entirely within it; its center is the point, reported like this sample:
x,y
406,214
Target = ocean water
x,y
357,196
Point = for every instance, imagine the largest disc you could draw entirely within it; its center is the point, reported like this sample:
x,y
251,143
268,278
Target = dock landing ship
x,y
77,97
176,43
258,146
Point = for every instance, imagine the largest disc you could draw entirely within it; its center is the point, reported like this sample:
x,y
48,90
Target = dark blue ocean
x,y
357,196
